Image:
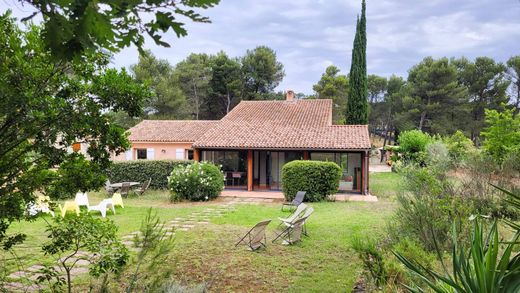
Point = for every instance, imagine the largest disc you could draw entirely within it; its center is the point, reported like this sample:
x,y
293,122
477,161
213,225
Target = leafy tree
x,y
71,236
377,106
436,100
169,101
225,86
333,86
376,88
73,28
486,85
502,135
393,105
45,107
513,73
261,73
193,75
357,104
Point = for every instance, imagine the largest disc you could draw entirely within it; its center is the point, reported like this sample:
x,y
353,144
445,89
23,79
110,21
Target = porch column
x,y
196,155
306,155
364,172
249,170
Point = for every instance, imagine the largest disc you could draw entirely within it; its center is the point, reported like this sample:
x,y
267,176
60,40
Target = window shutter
x,y
150,154
128,155
179,154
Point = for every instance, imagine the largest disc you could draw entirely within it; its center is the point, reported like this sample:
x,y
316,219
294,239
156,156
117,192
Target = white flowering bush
x,y
197,181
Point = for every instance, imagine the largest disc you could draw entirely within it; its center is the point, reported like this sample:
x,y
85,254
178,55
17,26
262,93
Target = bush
x,y
318,179
437,155
412,145
142,170
459,147
198,181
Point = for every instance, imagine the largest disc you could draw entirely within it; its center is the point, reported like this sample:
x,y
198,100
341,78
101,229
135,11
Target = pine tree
x,y
357,104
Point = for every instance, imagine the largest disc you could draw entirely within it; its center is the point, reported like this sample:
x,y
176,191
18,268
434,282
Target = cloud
x,y
309,35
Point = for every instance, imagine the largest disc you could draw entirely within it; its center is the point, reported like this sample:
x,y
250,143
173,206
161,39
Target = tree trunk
x,y
421,122
228,102
197,106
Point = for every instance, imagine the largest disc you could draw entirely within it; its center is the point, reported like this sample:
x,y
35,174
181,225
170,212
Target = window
x,y
141,154
190,154
179,154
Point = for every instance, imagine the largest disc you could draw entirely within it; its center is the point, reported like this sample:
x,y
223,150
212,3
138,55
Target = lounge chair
x,y
141,190
285,224
69,205
298,199
255,238
117,200
108,187
295,216
125,189
82,199
103,207
292,233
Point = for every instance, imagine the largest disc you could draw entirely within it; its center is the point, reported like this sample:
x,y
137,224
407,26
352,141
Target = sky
x,y
308,36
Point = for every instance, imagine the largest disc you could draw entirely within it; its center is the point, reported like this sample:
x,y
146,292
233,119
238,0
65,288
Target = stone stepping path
x,y
178,224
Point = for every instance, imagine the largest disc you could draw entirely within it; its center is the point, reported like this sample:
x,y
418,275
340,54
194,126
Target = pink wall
x,y
162,151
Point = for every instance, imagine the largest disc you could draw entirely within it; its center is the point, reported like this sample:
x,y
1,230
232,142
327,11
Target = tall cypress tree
x,y
357,103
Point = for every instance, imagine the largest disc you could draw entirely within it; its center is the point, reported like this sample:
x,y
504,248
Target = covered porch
x,y
261,170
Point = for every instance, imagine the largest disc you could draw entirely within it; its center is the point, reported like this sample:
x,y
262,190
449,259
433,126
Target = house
x,y
255,139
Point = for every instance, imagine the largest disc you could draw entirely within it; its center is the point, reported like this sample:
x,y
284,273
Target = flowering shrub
x,y
197,181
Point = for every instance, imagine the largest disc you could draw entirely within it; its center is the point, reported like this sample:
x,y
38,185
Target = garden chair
x,y
140,191
295,216
125,189
117,200
81,199
40,205
108,187
298,199
255,238
69,205
292,233
102,207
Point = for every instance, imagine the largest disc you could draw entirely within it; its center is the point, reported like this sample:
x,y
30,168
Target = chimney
x,y
290,95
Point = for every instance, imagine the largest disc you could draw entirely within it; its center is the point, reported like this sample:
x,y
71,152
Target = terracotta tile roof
x,y
170,130
300,124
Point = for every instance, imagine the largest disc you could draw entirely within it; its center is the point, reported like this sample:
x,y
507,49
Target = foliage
x,y
73,235
357,104
459,147
193,75
155,244
47,106
486,85
437,155
169,101
74,28
225,86
335,87
73,174
502,135
318,179
489,265
372,258
142,170
513,75
197,181
412,146
261,73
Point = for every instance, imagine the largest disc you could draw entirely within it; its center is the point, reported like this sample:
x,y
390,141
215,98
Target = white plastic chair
x,y
82,199
102,207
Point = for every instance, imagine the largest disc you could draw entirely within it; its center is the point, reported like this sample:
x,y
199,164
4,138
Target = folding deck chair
x,y
141,190
292,233
298,199
255,238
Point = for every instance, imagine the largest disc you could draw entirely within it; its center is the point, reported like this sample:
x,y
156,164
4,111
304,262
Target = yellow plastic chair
x,y
69,205
117,200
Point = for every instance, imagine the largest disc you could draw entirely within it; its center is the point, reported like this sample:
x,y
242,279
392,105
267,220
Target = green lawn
x,y
385,185
324,261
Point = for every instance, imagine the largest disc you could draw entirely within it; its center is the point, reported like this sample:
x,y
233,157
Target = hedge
x,y
318,179
142,170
